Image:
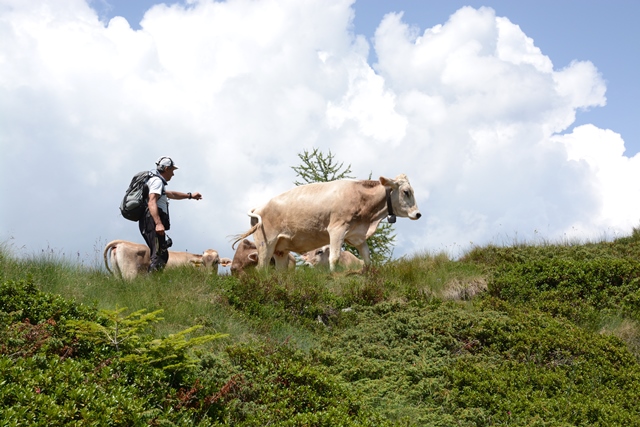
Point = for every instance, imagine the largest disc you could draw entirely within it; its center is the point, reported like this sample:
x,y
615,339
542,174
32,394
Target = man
x,y
155,221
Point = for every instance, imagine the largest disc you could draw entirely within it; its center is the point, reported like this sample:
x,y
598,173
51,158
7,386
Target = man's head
x,y
166,167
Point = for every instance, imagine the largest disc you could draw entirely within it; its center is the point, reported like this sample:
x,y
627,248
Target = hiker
x,y
155,221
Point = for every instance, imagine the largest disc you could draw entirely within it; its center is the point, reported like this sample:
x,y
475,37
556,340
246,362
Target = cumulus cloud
x,y
471,110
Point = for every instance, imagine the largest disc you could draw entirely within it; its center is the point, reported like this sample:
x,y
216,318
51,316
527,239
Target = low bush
x,y
528,335
582,285
59,364
435,364
275,384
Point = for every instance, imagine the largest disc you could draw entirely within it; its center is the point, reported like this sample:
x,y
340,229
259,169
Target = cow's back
x,y
318,200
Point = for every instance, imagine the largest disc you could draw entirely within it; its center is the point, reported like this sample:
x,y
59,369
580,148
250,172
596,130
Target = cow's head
x,y
317,257
402,198
211,259
246,256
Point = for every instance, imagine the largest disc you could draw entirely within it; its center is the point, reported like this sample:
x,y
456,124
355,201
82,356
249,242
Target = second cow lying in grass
x,y
319,258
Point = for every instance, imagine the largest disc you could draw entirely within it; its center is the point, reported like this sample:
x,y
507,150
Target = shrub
x,y
425,364
277,384
69,368
575,289
22,300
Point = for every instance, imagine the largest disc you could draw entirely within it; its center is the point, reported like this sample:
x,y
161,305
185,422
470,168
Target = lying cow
x,y
319,258
208,259
129,259
313,215
246,256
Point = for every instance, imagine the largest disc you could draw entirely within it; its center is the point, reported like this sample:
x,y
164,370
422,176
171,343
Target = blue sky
x,y
514,122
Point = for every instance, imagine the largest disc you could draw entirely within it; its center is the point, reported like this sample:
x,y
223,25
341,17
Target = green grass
x,y
522,335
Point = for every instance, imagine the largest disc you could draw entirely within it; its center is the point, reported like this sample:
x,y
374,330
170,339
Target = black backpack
x,y
134,202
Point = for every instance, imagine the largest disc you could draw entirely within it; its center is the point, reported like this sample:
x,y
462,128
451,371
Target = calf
x,y
320,258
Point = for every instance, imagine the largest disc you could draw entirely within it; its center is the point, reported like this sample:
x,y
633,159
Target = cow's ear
x,y
388,182
253,256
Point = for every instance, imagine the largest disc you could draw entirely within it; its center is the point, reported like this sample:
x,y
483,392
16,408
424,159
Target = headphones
x,y
162,168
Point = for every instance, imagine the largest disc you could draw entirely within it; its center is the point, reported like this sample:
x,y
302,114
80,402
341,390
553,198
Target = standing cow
x,y
313,215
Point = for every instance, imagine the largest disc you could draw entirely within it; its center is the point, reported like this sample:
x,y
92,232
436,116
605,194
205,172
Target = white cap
x,y
165,162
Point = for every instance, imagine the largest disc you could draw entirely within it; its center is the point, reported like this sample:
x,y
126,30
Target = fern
x,y
125,333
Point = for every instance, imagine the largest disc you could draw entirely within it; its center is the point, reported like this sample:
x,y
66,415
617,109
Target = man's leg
x,y
157,244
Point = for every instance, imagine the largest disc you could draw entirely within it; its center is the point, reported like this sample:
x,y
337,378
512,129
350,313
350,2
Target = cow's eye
x,y
319,252
406,193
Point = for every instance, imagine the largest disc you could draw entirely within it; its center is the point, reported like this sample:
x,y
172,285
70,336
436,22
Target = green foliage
x,y
319,167
125,334
47,390
300,298
171,353
527,335
584,283
380,244
22,300
578,290
32,321
278,385
63,370
120,332
434,364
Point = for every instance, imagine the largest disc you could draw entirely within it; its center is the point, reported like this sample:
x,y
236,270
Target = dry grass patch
x,y
627,331
464,289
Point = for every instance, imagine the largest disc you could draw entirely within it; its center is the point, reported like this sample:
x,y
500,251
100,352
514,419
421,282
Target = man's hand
x,y
160,229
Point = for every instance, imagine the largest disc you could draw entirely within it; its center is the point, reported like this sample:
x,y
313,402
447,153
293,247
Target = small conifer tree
x,y
317,166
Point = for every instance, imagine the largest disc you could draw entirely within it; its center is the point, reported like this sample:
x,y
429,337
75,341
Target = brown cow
x,y
320,258
129,259
246,256
313,215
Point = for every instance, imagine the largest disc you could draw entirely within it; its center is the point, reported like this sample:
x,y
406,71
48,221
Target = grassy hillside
x,y
528,335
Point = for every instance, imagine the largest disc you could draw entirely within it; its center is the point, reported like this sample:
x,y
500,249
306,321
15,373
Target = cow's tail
x,y
256,222
110,247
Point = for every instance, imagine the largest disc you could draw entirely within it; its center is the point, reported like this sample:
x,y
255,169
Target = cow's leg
x,y
365,253
336,239
265,245
280,256
265,252
282,259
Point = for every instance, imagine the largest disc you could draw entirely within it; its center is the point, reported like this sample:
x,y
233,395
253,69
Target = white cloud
x,y
471,110
615,176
